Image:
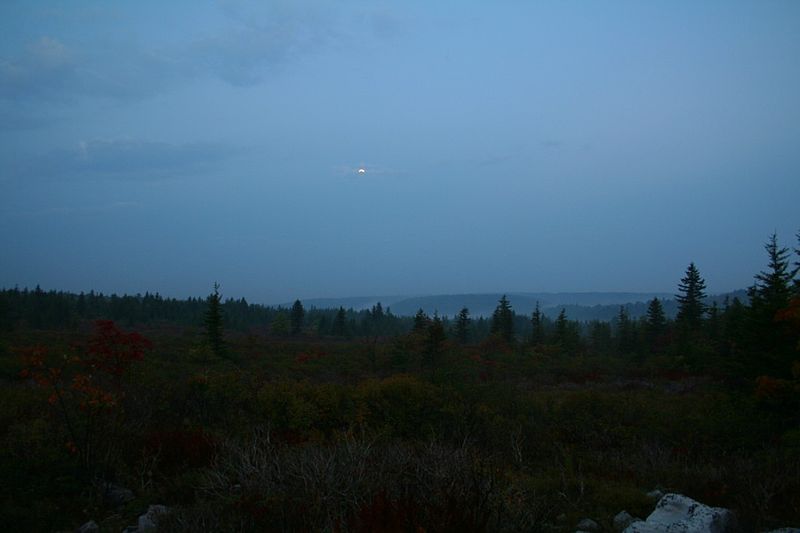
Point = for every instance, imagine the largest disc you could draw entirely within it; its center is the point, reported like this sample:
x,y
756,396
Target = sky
x,y
507,146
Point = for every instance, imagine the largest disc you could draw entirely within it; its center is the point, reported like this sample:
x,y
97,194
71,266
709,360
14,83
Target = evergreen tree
x,y
770,294
436,337
297,318
463,322
734,317
797,267
773,288
562,329
376,320
600,336
655,322
713,324
339,327
625,333
421,321
503,320
537,327
691,301
280,324
214,322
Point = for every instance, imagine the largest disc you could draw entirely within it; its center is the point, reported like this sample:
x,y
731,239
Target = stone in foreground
x,y
675,513
89,527
623,520
149,520
587,524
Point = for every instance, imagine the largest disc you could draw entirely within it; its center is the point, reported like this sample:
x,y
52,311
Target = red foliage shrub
x,y
86,387
112,350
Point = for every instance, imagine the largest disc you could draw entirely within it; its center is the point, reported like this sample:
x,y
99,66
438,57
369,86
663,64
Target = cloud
x,y
261,38
120,159
240,54
253,41
53,71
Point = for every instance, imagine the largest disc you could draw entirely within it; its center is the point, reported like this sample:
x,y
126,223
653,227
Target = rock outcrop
x,y
148,522
89,527
587,524
623,520
675,513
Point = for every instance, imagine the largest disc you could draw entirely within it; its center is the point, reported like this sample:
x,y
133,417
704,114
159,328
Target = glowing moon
x,y
362,170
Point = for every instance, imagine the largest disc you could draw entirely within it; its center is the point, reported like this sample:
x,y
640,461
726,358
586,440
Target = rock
x,y
623,520
89,527
785,530
587,524
675,513
655,495
149,520
116,495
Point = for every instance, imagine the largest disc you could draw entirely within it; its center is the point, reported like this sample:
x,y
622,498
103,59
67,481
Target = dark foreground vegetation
x,y
371,422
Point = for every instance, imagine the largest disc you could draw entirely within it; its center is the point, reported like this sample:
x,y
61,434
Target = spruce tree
x,y
713,323
297,318
600,336
421,321
214,322
562,329
280,324
376,319
655,322
434,342
797,268
625,333
503,321
770,294
463,322
691,301
537,327
773,288
339,328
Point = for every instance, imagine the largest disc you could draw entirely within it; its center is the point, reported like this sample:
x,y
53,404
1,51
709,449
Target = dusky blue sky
x,y
509,146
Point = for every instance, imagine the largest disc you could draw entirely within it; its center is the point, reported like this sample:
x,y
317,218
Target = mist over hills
x,y
578,305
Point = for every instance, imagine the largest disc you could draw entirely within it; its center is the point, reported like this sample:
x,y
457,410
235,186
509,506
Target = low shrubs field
x,y
334,435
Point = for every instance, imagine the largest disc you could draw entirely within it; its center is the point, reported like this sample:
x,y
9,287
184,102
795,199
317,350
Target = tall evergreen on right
x,y
773,288
771,340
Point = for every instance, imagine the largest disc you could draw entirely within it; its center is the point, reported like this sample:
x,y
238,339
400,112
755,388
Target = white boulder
x,y
675,513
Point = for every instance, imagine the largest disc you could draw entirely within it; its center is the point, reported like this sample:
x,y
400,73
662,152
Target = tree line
x,y
748,336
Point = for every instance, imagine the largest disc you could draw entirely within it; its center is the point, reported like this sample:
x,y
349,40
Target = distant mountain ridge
x,y
578,305
483,304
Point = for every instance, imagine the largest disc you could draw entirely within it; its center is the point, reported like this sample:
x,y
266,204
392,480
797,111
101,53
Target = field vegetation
x,y
372,422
